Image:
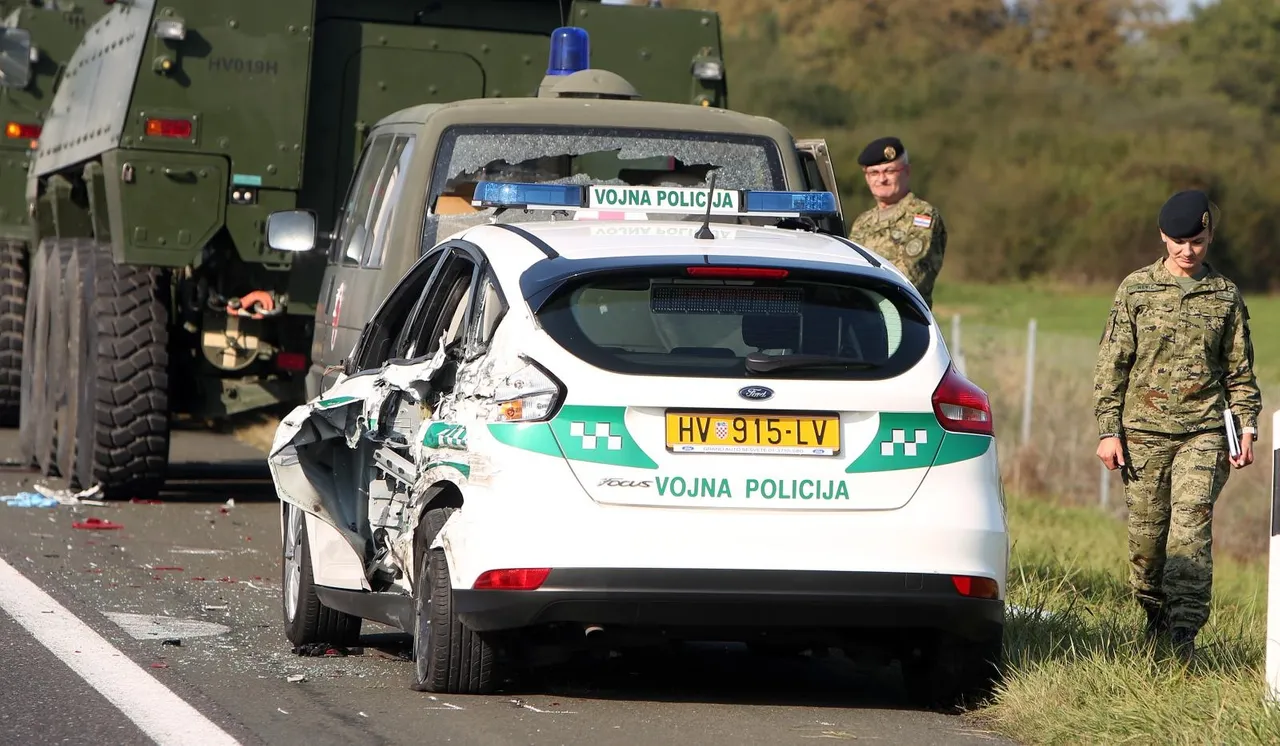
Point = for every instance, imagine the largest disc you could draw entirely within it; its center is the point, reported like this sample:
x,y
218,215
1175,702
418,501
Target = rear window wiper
x,y
758,362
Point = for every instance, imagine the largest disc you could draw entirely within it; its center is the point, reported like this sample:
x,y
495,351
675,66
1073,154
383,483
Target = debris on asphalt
x,y
361,714
297,678
283,712
320,650
142,501
172,642
29,500
210,607
161,664
96,524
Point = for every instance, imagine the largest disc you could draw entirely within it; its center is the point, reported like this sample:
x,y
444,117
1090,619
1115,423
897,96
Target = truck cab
x,y
415,182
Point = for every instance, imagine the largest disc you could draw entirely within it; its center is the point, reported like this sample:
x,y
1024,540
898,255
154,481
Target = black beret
x,y
883,150
1185,214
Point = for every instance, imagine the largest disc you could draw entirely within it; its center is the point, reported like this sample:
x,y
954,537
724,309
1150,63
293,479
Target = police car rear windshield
x,y
823,326
570,154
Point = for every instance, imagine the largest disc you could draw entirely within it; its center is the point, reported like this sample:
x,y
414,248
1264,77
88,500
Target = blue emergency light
x,y
804,203
575,197
570,51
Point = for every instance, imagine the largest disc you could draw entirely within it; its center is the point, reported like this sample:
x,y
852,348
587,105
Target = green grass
x,y
1083,675
1074,310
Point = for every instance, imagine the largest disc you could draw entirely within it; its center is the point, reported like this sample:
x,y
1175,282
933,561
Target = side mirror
x,y
292,230
15,57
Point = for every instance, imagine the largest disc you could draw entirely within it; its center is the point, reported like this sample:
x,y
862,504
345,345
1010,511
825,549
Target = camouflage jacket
x,y
910,234
1169,362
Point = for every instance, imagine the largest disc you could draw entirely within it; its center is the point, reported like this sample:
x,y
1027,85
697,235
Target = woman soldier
x,y
1174,354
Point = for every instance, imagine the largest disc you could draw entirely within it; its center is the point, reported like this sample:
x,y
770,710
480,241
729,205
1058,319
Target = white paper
x,y
1233,438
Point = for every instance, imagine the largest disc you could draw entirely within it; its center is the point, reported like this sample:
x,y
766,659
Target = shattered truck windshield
x,y
586,155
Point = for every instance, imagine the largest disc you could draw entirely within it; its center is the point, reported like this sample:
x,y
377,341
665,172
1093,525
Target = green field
x,y
1070,310
1086,656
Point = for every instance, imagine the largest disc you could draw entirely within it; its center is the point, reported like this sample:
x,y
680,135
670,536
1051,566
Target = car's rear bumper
x,y
729,600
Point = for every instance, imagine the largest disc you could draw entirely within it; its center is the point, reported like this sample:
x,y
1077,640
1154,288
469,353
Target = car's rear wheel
x,y
307,621
448,657
949,672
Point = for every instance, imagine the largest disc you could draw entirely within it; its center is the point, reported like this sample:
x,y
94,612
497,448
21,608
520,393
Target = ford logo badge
x,y
756,393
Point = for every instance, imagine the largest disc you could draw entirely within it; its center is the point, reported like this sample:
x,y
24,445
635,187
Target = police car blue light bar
x,y
619,198
497,194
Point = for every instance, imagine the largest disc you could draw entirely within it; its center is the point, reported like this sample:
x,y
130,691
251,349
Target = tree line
x,y
1048,132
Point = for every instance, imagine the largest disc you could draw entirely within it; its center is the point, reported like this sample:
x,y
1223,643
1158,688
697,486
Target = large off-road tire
x,y
952,673
306,620
36,428
13,308
120,374
448,657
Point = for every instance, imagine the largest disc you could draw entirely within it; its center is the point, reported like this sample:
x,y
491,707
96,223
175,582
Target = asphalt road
x,y
196,570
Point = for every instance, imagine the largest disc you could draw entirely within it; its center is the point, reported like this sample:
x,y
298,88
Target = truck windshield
x,y
586,155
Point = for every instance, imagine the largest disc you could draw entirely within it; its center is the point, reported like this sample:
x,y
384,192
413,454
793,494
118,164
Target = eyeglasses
x,y
876,172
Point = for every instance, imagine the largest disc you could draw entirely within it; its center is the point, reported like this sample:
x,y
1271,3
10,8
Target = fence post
x,y
957,354
1028,393
1273,572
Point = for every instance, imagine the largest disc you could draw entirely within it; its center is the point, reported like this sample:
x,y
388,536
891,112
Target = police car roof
x,y
599,239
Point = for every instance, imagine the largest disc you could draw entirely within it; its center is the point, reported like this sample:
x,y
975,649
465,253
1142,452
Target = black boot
x,y
1157,622
1184,643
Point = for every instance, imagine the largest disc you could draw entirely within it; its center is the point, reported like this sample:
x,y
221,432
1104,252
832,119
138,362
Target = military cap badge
x,y
890,153
1204,220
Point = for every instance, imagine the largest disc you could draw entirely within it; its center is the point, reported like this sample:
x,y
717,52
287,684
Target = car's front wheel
x,y
949,672
306,620
448,657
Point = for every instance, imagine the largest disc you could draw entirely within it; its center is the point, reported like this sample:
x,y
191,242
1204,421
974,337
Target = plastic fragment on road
x,y
96,524
296,678
67,497
29,500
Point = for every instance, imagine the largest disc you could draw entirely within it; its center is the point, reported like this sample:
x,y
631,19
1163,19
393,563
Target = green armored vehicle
x,y
45,34
177,128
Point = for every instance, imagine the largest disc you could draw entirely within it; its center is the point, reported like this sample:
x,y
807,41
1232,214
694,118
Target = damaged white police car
x,y
609,429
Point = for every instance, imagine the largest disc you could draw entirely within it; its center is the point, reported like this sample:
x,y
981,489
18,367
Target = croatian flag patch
x,y
922,221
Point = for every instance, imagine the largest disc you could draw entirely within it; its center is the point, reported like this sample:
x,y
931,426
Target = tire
x,y
953,673
56,296
13,307
306,620
448,657
121,374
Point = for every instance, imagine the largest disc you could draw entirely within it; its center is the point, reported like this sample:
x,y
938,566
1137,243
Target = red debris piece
x,y
248,538
140,501
199,579
226,580
168,568
160,665
96,524
224,511
257,577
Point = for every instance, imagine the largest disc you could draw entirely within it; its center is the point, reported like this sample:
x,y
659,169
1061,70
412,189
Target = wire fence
x,y
1041,389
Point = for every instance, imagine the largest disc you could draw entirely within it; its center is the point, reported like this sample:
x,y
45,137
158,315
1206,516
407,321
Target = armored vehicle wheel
x,y
13,305
35,431
118,397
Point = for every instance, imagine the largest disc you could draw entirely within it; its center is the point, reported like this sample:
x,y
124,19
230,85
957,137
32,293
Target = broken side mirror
x,y
292,230
15,57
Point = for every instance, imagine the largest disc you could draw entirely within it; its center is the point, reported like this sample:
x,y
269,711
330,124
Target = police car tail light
x,y
527,395
961,406
975,587
522,579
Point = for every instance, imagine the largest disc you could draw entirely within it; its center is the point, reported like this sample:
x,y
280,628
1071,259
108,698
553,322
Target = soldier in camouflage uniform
x,y
902,228
1175,352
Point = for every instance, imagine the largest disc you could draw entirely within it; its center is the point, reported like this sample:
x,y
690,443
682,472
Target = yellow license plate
x,y
797,435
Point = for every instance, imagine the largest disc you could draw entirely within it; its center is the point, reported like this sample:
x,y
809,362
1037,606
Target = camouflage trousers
x,y
1171,490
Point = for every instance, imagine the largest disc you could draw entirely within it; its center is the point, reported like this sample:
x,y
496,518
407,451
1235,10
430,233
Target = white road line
x,y
156,710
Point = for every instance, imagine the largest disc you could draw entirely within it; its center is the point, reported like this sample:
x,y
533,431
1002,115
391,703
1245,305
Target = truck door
x,y
820,175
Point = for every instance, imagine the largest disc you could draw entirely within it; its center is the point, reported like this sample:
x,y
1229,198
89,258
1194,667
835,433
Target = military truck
x,y
178,126
46,34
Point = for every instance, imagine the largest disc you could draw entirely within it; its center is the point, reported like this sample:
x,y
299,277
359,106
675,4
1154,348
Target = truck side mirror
x,y
15,57
292,230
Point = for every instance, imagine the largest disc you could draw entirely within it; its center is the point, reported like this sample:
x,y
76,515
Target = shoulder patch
x,y
921,220
1226,295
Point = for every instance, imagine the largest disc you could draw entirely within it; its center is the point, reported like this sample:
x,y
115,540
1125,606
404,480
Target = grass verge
x,y
1083,653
